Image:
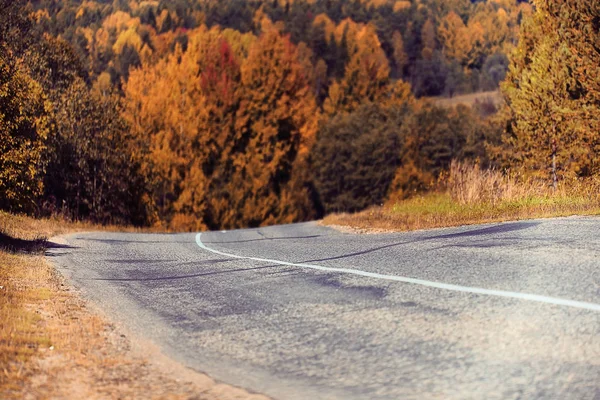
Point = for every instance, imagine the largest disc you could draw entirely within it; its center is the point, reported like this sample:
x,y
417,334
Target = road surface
x,y
507,311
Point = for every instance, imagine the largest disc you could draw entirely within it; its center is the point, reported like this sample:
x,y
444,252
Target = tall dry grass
x,y
467,183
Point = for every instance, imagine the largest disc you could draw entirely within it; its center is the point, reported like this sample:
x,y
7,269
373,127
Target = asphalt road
x,y
508,311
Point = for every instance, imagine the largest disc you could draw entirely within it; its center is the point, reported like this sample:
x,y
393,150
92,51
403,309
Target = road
x,y
507,311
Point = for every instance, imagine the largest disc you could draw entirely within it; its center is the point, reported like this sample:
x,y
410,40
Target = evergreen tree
x,y
552,92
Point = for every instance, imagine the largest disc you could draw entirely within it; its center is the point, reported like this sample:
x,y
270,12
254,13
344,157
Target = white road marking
x,y
396,278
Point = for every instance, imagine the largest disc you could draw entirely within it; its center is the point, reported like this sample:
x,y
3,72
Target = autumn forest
x,y
218,114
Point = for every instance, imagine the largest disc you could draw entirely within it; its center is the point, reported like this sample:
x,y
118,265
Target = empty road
x,y
498,311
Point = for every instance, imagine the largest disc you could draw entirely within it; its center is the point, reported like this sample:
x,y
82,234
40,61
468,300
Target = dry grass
x,y
468,184
53,346
472,196
25,282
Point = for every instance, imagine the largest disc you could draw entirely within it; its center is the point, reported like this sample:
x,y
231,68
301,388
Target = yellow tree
x,y
553,94
128,37
219,80
454,37
227,136
347,30
477,44
494,22
119,21
327,24
428,39
400,56
23,130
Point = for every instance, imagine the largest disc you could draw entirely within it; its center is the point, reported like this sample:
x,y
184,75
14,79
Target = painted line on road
x,y
396,278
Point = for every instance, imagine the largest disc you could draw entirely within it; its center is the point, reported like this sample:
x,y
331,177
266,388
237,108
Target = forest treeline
x,y
200,114
438,46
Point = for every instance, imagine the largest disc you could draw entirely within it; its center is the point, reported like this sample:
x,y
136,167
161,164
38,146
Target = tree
x,y
54,64
400,56
496,30
226,137
454,37
164,107
456,81
275,128
429,76
578,25
366,76
24,122
552,93
128,58
92,171
219,83
23,129
493,71
430,138
15,27
428,40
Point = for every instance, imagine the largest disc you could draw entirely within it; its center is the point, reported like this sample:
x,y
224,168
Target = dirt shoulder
x,y
55,344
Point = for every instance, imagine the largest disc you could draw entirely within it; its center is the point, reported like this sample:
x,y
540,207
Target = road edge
x,y
145,350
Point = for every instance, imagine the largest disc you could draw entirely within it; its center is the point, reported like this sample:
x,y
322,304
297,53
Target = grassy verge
x,y
438,210
53,346
471,196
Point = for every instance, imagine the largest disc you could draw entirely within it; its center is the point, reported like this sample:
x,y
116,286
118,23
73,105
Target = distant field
x,y
469,99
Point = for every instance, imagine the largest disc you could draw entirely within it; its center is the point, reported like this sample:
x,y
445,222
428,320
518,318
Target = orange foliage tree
x,y
226,135
163,105
274,129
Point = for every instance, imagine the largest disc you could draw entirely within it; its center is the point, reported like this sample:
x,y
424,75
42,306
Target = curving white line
x,y
438,285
